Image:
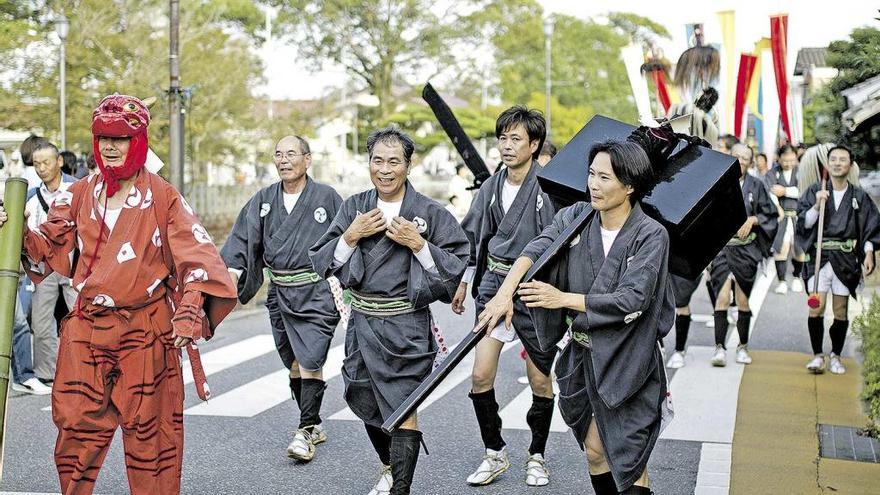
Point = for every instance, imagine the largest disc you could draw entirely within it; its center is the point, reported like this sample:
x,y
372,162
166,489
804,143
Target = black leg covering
x,y
296,389
838,335
682,327
797,268
637,490
721,328
404,456
816,327
381,443
742,326
486,409
538,418
310,407
780,270
603,484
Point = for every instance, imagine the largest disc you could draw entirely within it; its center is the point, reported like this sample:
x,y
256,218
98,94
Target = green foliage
x,y
856,60
867,327
122,46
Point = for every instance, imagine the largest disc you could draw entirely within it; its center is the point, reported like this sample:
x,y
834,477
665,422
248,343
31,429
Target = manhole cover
x,y
844,442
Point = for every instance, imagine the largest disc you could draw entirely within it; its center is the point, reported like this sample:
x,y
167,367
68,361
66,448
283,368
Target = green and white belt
x,y
581,338
790,213
378,306
292,278
736,241
498,266
843,245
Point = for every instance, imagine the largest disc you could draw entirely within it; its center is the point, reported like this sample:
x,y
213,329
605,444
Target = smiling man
x,y
396,251
509,211
851,231
274,232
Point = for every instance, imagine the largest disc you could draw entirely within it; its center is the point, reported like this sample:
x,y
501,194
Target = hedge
x,y
867,327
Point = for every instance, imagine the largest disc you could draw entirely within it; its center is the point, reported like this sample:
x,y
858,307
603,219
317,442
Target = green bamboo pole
x,y
10,259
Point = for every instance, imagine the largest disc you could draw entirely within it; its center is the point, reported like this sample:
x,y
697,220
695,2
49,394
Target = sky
x,y
811,24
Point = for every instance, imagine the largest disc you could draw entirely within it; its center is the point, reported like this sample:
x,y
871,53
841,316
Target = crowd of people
x,y
373,263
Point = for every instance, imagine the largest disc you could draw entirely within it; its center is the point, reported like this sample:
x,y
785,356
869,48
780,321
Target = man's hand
x,y
868,265
778,191
500,306
821,196
181,342
404,232
746,228
458,299
363,226
542,295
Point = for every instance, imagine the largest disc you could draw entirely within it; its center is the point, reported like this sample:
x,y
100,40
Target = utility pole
x,y
548,82
176,120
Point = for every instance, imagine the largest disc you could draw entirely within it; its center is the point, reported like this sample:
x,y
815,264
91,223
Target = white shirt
x,y
290,200
343,251
790,191
36,214
608,237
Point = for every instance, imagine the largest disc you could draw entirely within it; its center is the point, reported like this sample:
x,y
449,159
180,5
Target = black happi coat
x,y
503,236
387,357
629,303
266,236
743,261
776,177
857,218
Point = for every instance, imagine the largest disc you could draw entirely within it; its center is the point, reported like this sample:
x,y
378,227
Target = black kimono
x,y
742,257
498,238
612,368
846,231
789,205
265,236
389,348
683,289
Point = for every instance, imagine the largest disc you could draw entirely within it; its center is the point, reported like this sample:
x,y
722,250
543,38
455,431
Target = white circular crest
x,y
265,208
539,203
201,234
320,214
421,224
575,241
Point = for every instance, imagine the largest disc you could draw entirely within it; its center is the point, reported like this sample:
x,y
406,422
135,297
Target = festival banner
x,y
747,64
779,49
662,91
727,22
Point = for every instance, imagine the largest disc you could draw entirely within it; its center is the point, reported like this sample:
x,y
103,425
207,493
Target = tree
x,y
857,60
122,46
379,42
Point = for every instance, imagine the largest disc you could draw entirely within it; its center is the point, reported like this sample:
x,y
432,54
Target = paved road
x,y
236,443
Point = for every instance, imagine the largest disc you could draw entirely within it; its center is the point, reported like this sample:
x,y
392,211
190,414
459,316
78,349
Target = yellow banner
x,y
762,45
726,19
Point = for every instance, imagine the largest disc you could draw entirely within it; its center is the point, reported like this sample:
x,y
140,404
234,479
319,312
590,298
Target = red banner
x,y
662,92
779,48
747,64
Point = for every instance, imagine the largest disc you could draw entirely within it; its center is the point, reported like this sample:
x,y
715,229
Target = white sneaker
x,y
383,486
742,355
494,463
676,361
817,364
835,366
797,285
32,386
782,288
301,448
720,357
537,473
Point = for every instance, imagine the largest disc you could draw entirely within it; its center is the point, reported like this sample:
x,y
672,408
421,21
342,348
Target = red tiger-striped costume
x,y
117,365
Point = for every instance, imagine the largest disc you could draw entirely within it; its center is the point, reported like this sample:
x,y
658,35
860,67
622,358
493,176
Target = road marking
x,y
713,475
461,373
226,357
263,393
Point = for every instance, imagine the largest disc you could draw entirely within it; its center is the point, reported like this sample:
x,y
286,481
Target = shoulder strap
x,y
42,201
161,206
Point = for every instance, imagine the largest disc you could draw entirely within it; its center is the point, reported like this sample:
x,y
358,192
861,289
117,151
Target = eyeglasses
x,y
290,155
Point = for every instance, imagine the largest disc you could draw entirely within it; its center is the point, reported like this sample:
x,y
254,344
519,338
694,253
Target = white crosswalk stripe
x,y
513,416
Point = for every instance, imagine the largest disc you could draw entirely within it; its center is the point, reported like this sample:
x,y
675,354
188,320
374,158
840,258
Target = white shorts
x,y
828,281
502,333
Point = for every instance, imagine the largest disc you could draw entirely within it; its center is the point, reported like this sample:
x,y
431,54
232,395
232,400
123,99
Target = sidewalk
x,y
776,441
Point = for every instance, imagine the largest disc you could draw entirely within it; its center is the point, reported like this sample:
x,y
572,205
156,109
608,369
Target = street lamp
x,y
61,28
548,35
